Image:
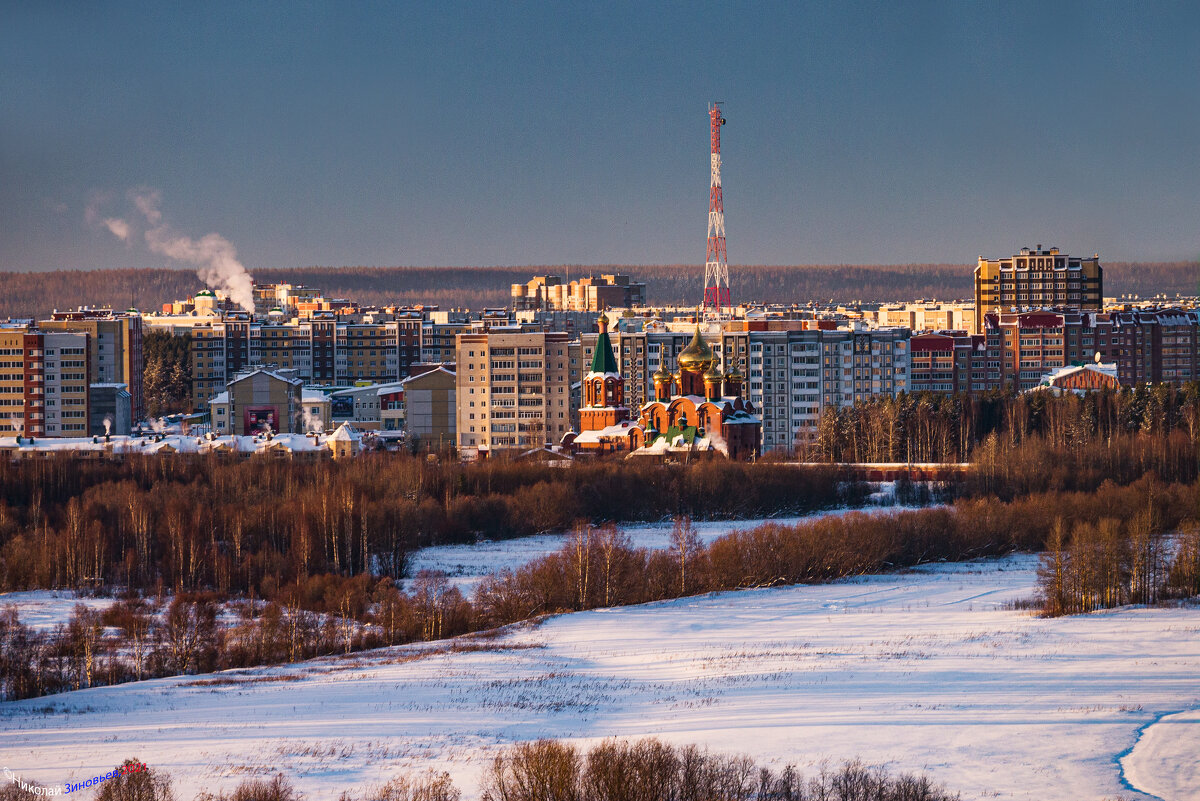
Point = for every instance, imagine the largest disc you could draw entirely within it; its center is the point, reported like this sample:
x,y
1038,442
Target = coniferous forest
x,y
27,294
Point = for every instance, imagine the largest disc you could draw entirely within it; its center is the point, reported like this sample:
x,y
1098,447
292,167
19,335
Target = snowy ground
x,y
42,610
921,671
466,565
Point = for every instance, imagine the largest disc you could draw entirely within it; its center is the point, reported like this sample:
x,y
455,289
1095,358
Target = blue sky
x,y
530,133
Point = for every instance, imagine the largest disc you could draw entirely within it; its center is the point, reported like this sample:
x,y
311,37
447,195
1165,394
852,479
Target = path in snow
x,y
919,671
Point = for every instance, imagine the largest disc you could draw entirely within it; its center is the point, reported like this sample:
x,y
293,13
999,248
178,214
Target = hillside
x,y
930,670
33,294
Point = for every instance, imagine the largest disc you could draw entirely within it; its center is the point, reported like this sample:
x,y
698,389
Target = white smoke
x,y
115,225
107,425
311,423
213,256
215,259
147,201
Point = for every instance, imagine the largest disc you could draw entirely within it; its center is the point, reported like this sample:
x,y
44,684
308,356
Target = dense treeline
x,y
598,567
257,525
931,427
548,770
35,294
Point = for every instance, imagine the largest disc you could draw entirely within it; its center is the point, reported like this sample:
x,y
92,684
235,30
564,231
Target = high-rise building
x,y
44,381
512,390
1036,279
324,350
115,339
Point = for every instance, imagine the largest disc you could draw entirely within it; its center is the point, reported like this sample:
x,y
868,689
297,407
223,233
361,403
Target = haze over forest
x,y
37,293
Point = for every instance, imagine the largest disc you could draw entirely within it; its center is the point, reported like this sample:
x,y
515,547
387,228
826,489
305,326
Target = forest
x,y
304,558
935,427
185,541
35,294
551,770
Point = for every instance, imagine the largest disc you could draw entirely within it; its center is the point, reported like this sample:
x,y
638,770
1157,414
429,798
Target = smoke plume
x,y
213,256
115,225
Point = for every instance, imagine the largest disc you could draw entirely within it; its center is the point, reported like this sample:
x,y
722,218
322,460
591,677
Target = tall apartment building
x,y
512,390
116,348
324,350
1037,278
595,294
44,381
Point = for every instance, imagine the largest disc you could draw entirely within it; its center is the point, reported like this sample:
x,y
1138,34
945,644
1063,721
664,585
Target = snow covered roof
x,y
623,429
271,373
439,369
178,443
220,397
345,433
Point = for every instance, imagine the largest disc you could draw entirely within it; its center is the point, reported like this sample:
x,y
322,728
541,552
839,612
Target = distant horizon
x,y
605,265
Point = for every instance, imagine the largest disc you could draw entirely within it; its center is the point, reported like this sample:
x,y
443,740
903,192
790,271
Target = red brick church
x,y
695,411
699,410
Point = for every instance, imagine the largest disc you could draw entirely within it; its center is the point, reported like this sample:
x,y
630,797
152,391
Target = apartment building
x,y
44,381
1037,278
927,316
1155,345
593,293
259,401
512,390
1024,346
324,350
952,362
115,339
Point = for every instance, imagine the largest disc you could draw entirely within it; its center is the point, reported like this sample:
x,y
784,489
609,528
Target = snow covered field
x,y
920,671
42,610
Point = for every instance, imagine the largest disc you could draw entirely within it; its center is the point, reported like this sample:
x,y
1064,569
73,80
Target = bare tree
x,y
685,544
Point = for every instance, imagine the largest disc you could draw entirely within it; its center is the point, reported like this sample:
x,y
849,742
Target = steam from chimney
x,y
311,422
107,425
213,256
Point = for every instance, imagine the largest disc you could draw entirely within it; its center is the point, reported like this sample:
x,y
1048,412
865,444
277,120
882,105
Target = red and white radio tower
x,y
716,267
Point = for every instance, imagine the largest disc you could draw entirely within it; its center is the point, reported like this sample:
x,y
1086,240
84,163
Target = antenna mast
x,y
716,267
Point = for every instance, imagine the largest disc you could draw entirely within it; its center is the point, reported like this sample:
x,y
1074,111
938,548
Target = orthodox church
x,y
697,410
604,419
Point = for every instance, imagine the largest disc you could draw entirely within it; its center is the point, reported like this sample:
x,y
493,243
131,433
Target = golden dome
x,y
697,356
713,373
602,319
662,374
735,373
